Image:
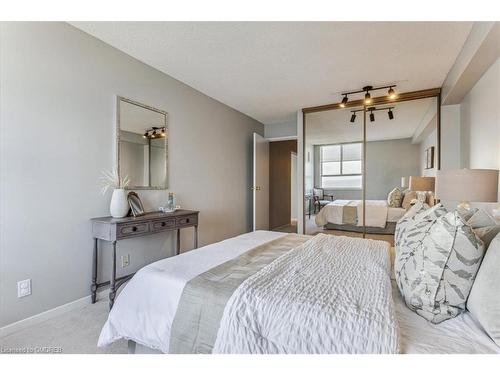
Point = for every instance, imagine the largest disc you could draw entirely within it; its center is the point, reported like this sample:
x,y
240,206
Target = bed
x,y
146,310
347,215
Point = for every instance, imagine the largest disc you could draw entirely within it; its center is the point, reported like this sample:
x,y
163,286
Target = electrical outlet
x,y
23,288
125,260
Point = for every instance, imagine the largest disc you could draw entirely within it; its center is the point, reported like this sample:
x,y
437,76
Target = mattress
x,y
145,309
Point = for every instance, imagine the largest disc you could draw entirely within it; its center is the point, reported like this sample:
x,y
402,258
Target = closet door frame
x,y
380,100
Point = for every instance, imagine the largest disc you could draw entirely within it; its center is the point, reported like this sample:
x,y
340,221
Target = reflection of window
x,y
341,166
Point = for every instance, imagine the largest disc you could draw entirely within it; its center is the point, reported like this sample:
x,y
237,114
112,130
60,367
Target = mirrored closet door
x,y
366,164
333,172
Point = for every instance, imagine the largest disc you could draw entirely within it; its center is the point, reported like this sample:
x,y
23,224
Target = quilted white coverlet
x,y
376,213
330,295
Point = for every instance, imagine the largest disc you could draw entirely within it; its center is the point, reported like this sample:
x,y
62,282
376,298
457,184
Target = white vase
x,y
119,206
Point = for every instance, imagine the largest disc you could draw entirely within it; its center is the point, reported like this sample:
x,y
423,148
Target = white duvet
x,y
376,212
331,294
145,309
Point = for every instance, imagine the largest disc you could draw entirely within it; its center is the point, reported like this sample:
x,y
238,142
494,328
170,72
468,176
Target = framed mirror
x,y
142,144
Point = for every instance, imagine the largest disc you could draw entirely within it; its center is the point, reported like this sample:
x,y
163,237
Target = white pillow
x,y
436,262
484,298
481,219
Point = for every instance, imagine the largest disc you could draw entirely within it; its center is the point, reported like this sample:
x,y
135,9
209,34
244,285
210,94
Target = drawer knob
x,y
163,223
187,220
134,229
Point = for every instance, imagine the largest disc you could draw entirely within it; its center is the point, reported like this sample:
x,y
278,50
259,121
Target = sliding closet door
x,y
333,172
400,142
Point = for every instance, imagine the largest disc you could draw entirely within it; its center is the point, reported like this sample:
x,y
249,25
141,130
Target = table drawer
x,y
186,221
163,224
130,230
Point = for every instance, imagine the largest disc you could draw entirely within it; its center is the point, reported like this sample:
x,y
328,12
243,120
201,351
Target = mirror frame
x,y
120,99
380,100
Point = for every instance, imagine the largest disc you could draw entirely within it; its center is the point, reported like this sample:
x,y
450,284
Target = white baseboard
x,y
38,318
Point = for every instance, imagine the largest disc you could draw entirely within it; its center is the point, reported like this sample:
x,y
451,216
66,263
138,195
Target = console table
x,y
113,230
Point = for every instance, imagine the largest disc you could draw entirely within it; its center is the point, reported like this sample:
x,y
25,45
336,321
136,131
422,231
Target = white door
x,y
260,182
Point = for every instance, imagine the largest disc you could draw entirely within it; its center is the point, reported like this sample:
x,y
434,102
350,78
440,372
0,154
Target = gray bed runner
x,y
349,214
204,298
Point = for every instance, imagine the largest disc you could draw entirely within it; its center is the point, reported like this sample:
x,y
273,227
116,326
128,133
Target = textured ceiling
x,y
269,70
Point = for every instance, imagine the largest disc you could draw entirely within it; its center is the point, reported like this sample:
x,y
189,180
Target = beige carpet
x,y
74,332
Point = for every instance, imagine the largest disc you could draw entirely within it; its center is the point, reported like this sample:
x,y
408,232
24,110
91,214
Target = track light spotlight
x,y
391,114
368,98
372,117
145,135
391,93
353,117
344,102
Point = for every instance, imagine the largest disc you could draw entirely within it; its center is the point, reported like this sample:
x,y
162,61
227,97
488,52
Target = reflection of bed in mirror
x,y
347,215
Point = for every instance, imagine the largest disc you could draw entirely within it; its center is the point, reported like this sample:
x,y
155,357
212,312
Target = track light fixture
x,y
391,94
154,132
344,101
368,97
372,115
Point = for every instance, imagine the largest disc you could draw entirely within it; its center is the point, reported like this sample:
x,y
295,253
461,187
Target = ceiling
x,y
334,126
269,70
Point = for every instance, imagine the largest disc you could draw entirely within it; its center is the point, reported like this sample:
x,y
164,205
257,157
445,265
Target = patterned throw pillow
x,y
436,263
395,198
409,197
480,219
409,221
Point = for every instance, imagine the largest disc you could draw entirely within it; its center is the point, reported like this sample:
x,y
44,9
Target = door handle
x,y
257,188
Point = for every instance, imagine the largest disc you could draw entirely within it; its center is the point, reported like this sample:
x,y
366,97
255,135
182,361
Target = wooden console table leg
x,y
112,291
196,236
93,287
178,249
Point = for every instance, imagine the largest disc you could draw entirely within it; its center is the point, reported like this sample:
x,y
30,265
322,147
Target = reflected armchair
x,y
319,199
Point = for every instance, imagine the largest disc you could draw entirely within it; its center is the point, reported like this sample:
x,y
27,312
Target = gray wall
x,y
287,129
387,161
58,88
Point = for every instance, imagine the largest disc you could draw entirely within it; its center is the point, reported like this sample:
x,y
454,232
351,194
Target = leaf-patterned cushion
x,y
436,263
416,212
395,198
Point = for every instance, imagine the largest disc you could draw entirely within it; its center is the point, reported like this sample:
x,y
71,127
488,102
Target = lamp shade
x,y
418,183
470,185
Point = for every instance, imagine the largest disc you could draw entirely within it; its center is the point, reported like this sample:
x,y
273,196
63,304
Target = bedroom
x,y
70,94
